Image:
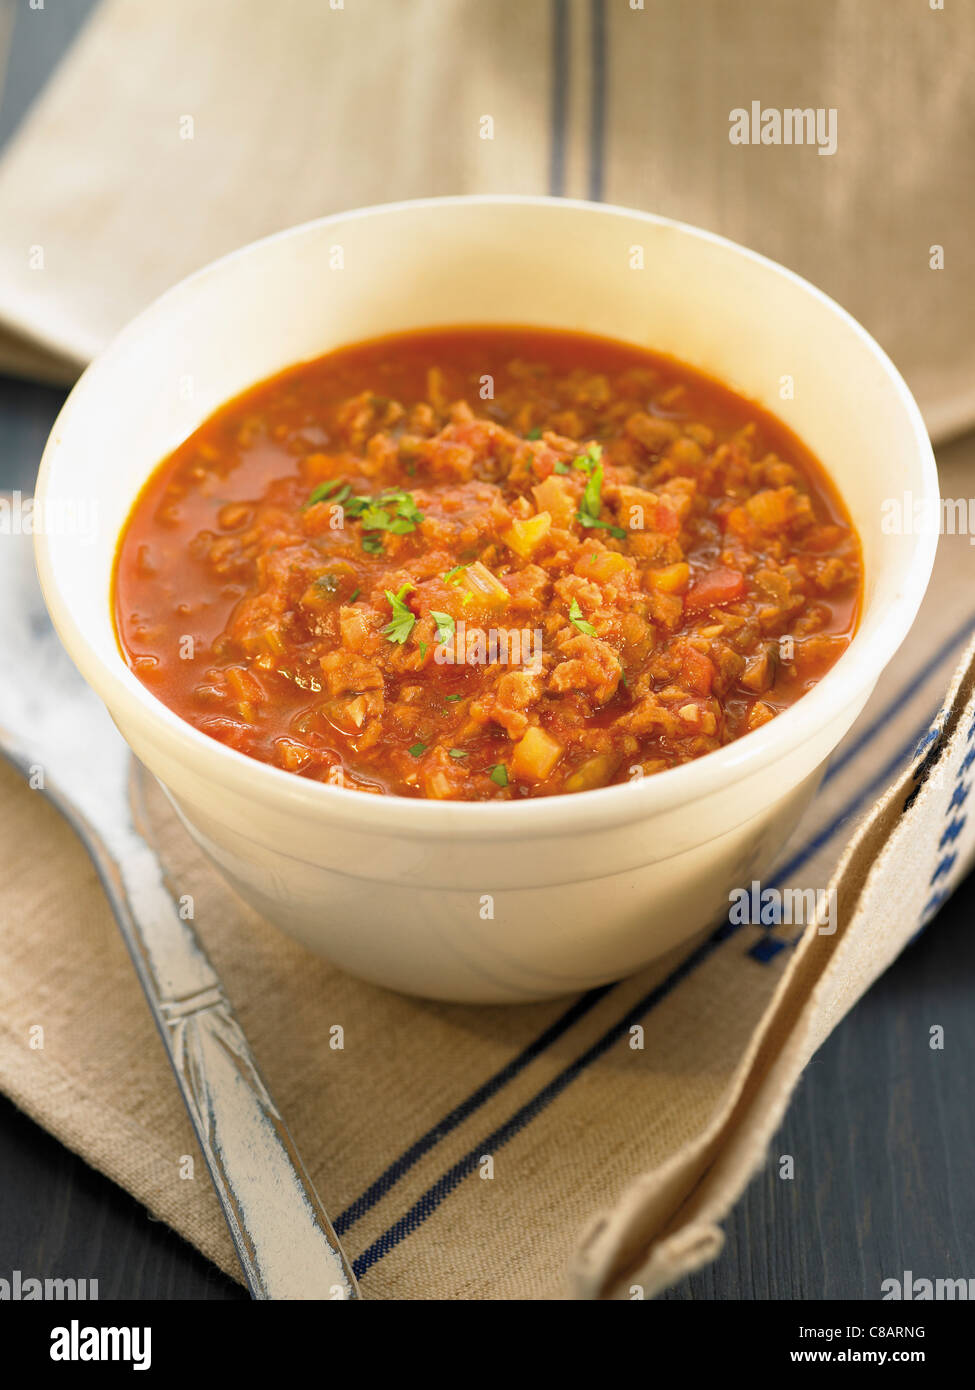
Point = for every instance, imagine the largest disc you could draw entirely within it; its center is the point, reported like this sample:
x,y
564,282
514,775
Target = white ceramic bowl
x,y
487,901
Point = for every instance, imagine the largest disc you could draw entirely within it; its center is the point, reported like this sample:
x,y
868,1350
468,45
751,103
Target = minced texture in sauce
x,y
486,564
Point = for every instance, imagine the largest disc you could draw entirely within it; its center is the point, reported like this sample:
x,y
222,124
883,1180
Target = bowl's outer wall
x,y
570,909
499,926
485,943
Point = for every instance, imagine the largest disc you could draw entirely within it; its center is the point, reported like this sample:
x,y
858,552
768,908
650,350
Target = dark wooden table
x,y
882,1129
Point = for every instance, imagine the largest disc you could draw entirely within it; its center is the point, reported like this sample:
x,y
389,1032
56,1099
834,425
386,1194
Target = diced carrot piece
x,y
535,754
715,587
524,536
601,565
670,579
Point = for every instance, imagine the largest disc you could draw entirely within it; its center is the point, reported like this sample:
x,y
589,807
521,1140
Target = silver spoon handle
x,y
282,1234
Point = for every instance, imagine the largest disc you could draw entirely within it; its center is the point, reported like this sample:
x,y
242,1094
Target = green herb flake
x,y
446,626
423,650
322,492
499,775
407,510
455,697
585,519
375,519
535,433
452,575
354,595
590,504
592,499
458,752
417,749
561,467
577,620
590,460
393,510
403,619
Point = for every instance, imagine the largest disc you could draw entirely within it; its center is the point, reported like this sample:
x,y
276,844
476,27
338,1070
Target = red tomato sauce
x,y
486,563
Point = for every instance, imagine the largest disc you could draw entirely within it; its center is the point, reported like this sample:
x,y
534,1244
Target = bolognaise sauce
x,y
486,563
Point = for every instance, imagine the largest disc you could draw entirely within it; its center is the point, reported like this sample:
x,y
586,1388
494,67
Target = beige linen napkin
x,y
619,1127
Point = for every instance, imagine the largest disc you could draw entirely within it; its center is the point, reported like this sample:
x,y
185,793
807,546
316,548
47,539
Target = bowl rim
x,y
855,671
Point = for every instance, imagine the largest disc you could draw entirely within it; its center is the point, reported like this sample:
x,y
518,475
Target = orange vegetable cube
x,y
601,565
536,753
523,536
670,579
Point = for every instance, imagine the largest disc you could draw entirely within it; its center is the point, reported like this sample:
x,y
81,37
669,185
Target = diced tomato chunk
x,y
717,586
697,670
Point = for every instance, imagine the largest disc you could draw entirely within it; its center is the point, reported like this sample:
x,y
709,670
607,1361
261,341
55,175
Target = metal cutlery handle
x,y
51,723
285,1242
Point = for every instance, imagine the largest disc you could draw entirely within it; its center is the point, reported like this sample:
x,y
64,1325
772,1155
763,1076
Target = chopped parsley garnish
x,y
451,576
401,625
589,460
375,519
499,775
324,490
458,752
455,697
535,433
417,749
423,650
591,501
577,620
445,625
403,503
561,467
393,510
354,595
